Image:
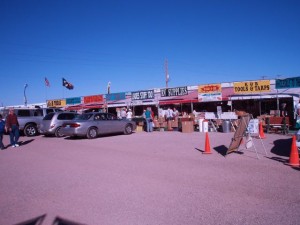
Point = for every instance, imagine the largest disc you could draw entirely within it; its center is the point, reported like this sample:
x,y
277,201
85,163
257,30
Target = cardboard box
x,y
187,127
139,128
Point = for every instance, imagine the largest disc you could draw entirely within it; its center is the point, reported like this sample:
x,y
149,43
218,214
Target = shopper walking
x,y
149,120
12,126
2,129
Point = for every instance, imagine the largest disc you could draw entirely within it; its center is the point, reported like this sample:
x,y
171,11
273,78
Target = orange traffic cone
x,y
294,155
261,131
207,144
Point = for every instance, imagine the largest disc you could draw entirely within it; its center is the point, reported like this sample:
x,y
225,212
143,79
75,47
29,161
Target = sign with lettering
x,y
56,103
142,95
116,96
170,92
73,101
210,92
252,87
293,82
93,99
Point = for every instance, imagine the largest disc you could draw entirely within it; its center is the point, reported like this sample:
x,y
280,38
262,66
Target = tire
x,y
57,132
128,129
30,130
92,133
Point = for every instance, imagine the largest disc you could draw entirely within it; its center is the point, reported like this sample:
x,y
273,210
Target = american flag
x,y
47,83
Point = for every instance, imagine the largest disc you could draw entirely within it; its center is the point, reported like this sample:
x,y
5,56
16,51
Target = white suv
x,y
30,118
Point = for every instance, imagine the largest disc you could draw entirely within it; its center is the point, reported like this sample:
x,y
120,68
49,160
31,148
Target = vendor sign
x,y
209,92
170,92
93,99
252,87
142,95
73,101
116,96
293,82
56,103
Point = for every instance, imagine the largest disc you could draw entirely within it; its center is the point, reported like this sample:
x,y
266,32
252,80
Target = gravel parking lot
x,y
149,178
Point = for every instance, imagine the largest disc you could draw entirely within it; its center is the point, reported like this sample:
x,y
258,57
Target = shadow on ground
x,y
57,221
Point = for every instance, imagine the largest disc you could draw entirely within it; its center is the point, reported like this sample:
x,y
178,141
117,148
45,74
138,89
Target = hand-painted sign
x,y
210,92
56,103
142,95
170,92
93,99
293,82
73,101
252,87
116,96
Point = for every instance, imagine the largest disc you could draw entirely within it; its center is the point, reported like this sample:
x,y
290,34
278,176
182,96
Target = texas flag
x,y
67,84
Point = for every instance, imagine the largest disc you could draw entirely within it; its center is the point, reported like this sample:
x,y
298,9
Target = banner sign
x,y
170,92
252,87
293,82
142,95
56,103
116,96
73,101
93,99
210,92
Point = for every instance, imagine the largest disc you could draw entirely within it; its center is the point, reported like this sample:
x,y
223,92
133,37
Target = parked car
x,y
52,122
30,118
93,124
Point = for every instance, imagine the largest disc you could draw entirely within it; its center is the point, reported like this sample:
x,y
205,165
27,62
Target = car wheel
x,y
92,133
58,133
30,130
128,129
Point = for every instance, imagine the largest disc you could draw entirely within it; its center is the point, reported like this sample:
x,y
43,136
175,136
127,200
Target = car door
x,y
102,123
116,125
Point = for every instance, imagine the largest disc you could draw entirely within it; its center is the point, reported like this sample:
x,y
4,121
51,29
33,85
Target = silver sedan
x,y
93,124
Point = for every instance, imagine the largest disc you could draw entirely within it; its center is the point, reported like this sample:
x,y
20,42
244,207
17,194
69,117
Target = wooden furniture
x,y
277,124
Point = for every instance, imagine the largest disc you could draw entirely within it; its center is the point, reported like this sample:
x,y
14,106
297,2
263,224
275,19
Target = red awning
x,y
84,106
227,92
191,97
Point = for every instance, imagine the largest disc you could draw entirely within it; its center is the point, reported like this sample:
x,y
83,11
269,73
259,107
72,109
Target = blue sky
x,y
126,42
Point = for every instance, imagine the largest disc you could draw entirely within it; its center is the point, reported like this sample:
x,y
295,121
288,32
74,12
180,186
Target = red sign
x,y
93,99
209,88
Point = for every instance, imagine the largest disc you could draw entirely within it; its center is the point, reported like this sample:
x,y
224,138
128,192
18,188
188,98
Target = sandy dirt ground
x,y
158,178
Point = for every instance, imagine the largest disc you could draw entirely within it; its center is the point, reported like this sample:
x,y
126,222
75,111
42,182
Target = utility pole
x,y
25,98
167,72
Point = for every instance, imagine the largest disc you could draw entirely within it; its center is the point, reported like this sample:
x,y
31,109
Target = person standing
x,y
149,120
129,114
12,126
2,128
123,113
284,112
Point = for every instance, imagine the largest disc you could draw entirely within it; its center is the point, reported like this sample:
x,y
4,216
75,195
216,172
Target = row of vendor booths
x,y
203,122
255,97
213,122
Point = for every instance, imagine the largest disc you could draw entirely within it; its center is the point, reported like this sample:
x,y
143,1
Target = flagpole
x,y
167,73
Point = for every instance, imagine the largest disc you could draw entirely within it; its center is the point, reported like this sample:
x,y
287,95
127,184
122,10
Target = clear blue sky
x,y
126,42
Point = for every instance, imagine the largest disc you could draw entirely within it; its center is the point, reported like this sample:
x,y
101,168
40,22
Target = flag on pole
x,y
47,83
67,84
108,88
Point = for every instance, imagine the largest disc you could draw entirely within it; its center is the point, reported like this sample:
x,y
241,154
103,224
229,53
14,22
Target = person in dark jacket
x,y
2,129
12,126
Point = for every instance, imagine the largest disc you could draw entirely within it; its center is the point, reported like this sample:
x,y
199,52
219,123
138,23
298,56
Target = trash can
x,y
226,126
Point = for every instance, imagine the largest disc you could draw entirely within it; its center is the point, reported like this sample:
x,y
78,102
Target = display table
x,y
187,126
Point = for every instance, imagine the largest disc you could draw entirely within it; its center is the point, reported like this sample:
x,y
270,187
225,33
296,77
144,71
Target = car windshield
x,y
84,116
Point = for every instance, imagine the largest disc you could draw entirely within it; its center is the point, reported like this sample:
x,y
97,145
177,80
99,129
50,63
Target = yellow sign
x,y
252,87
56,103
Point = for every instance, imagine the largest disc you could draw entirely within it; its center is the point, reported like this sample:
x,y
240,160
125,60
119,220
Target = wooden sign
x,y
239,133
